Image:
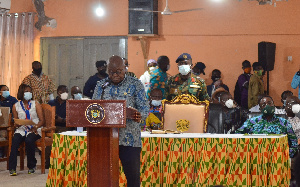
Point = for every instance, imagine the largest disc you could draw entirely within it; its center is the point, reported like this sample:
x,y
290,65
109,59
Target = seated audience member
x,y
268,123
185,82
296,81
198,69
256,107
216,96
284,95
153,120
128,73
292,107
6,100
60,108
145,78
159,76
256,85
26,108
217,82
231,113
88,89
76,93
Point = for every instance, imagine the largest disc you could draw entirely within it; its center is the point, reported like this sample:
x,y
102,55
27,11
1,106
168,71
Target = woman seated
x,y
6,100
26,108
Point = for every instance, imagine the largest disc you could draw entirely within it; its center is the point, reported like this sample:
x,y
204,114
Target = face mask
x,y
151,68
37,71
259,73
156,102
27,96
268,110
184,69
64,96
296,108
284,102
126,68
196,73
247,70
78,96
102,72
5,94
229,103
214,78
168,67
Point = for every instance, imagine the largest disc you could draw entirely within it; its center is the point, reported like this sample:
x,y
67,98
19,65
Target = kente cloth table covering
x,y
188,159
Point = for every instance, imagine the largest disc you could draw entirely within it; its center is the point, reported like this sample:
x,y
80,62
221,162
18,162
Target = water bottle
x,y
79,129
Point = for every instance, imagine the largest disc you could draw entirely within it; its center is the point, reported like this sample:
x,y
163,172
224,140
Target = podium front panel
x,y
96,113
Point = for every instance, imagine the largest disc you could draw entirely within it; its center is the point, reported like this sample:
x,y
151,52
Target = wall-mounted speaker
x,y
141,22
266,55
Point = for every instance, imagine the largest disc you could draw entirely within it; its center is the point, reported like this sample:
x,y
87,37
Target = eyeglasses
x,y
118,72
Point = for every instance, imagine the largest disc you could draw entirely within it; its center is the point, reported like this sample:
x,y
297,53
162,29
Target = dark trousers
x,y
29,146
130,159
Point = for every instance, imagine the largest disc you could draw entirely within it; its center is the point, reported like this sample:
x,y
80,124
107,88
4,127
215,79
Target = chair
x,y
185,107
4,125
215,119
46,139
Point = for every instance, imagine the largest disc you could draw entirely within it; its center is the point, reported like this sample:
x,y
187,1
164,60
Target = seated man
x,y
153,120
292,107
60,108
76,93
284,95
231,113
256,107
268,123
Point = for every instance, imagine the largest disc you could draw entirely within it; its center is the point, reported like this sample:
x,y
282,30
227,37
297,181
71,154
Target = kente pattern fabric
x,y
184,162
193,85
41,86
158,79
132,90
278,125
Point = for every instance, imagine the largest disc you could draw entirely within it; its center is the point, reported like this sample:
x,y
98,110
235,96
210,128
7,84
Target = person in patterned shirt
x,y
268,123
159,76
291,103
42,86
119,86
185,82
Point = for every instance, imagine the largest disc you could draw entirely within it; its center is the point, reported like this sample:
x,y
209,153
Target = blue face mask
x,y
5,94
78,96
27,96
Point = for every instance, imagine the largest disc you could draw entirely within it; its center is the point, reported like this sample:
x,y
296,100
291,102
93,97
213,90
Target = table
x,y
178,160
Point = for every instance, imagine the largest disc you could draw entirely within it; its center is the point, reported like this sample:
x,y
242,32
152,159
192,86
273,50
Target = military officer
x,y
185,82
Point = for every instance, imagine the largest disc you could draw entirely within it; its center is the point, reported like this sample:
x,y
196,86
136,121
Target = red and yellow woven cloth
x,y
185,160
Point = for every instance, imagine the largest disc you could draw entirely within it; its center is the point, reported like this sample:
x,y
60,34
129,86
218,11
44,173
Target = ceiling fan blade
x,y
188,10
141,10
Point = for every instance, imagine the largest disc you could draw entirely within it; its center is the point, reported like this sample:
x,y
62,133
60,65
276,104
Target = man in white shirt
x,y
145,78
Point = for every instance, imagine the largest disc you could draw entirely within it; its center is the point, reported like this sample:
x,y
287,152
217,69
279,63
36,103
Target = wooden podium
x,y
103,118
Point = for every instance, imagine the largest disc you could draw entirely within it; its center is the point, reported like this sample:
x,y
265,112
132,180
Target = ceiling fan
x,y
166,11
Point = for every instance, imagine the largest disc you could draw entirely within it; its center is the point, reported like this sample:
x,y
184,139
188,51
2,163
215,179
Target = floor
x,y
23,179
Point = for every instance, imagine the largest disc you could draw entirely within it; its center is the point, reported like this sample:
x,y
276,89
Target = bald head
x,y
116,69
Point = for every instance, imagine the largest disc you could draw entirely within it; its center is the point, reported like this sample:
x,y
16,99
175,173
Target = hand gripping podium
x,y
103,118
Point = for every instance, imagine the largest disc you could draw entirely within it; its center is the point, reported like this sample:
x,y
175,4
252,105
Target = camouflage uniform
x,y
193,85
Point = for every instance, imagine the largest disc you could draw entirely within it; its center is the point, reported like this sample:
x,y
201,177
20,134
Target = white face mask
x,y
296,108
184,69
64,96
229,103
151,68
156,102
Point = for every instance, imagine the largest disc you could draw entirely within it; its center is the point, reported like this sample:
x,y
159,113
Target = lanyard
x,y
26,110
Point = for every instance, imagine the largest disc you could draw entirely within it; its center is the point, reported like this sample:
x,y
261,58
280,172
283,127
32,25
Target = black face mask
x,y
215,78
102,72
37,71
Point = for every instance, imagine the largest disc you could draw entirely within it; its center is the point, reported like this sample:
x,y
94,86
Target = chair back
x,y
4,121
215,119
185,107
49,116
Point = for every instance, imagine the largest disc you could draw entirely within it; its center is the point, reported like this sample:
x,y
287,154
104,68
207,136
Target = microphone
x,y
104,85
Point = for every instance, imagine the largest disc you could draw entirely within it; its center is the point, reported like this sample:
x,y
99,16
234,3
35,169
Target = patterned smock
x,y
278,125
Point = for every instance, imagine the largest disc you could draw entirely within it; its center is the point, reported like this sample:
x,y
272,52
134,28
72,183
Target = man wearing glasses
x,y
185,82
119,86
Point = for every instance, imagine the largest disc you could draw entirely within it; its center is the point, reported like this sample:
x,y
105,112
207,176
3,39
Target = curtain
x,y
16,48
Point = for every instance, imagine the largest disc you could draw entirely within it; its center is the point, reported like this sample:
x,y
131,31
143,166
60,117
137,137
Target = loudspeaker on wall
x,y
143,22
266,55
